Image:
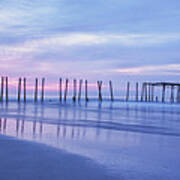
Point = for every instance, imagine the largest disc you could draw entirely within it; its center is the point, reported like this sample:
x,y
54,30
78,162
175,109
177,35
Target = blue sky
x,y
128,39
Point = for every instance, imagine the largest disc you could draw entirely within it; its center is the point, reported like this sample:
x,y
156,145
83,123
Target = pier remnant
x,y
36,90
157,99
19,90
24,83
137,86
99,83
146,92
66,90
149,92
163,85
6,89
2,88
111,90
152,93
60,89
42,90
163,92
86,90
74,89
178,95
142,91
172,94
127,91
80,87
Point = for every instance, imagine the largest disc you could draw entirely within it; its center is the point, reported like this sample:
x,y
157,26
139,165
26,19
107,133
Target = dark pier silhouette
x,y
147,94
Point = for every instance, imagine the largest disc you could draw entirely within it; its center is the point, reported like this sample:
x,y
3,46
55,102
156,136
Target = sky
x,y
136,40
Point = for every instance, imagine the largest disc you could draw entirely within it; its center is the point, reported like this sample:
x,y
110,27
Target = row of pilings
x,y
147,91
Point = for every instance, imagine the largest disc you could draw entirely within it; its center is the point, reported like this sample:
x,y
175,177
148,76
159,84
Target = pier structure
x,y
147,93
148,89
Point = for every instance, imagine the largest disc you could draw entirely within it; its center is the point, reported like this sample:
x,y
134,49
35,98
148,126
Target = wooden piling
x,y
86,90
2,88
80,87
19,90
172,94
137,87
146,92
99,83
74,90
156,98
6,89
127,91
66,90
163,92
178,94
36,90
152,93
142,92
60,89
24,84
111,90
149,92
42,90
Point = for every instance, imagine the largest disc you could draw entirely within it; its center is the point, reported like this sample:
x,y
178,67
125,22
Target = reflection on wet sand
x,y
98,118
37,130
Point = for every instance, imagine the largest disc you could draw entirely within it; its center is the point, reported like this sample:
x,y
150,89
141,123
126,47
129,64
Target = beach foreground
x,y
89,141
21,160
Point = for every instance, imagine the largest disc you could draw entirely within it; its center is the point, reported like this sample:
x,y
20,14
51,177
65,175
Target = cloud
x,y
82,39
168,69
63,41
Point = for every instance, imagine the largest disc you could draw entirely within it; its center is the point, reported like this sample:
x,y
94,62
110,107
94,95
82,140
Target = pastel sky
x,y
93,39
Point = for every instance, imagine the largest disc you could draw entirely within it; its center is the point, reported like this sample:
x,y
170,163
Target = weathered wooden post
x,y
111,90
86,90
19,90
178,94
24,83
146,93
2,88
157,99
142,92
66,90
127,91
137,91
60,89
99,83
172,94
149,91
42,90
74,89
163,92
36,90
6,89
152,93
80,87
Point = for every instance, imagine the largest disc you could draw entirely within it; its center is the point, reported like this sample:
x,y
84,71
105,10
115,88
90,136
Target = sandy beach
x,y
119,141
22,160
